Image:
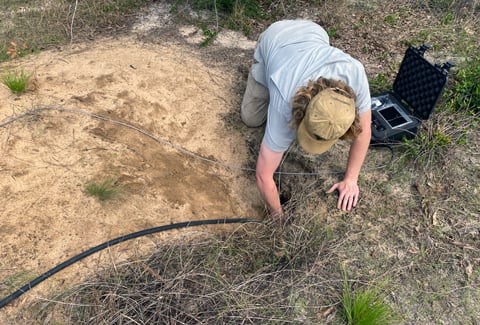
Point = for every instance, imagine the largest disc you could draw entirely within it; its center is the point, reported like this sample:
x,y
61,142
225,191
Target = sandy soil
x,y
167,99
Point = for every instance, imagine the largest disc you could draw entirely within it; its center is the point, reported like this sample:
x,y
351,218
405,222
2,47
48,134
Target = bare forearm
x,y
267,163
268,191
348,189
358,150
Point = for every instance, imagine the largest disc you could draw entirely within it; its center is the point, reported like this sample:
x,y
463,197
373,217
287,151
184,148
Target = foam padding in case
x,y
419,83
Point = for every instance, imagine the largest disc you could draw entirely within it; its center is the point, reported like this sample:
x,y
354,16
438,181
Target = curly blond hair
x,y
306,93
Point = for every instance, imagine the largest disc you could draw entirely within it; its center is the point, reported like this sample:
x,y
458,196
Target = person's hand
x,y
348,194
277,215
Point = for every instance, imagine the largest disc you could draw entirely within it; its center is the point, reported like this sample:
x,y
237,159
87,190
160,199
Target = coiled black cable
x,y
113,242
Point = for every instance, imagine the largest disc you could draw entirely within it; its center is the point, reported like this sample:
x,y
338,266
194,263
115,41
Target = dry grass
x,y
38,24
248,276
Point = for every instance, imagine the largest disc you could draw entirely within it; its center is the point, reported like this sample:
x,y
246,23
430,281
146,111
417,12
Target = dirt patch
x,y
154,107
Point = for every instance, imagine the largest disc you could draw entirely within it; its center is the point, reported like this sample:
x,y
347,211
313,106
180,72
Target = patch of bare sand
x,y
48,158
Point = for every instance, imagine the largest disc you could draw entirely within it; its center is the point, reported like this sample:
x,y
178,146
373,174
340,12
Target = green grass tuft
x,y
107,190
17,82
465,94
366,306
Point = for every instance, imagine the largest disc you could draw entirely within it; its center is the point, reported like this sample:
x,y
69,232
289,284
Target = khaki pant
x,y
255,103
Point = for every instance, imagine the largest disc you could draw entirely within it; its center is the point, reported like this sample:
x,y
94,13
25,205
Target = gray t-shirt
x,y
289,53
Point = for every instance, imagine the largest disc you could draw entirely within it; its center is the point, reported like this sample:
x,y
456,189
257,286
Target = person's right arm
x,y
268,161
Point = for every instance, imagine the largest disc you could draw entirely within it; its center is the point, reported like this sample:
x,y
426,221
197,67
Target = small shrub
x,y
209,36
16,81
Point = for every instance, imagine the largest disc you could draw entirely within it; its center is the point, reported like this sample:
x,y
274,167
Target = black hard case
x,y
416,91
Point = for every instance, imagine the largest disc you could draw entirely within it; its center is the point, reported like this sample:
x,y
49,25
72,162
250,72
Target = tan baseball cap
x,y
328,116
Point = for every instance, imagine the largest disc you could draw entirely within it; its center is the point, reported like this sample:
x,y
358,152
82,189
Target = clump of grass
x,y
391,19
17,82
440,135
380,83
429,145
16,280
366,306
465,95
104,191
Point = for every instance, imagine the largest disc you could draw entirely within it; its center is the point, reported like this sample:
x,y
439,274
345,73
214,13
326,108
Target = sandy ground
x,y
166,99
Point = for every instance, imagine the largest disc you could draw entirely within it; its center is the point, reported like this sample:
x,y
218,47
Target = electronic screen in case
x,y
394,117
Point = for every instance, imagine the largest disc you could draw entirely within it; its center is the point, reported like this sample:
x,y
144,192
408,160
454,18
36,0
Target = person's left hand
x,y
348,194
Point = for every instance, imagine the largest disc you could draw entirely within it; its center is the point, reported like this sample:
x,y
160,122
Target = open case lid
x,y
420,83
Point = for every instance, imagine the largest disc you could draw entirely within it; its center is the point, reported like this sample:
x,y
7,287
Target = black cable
x,y
389,146
113,242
